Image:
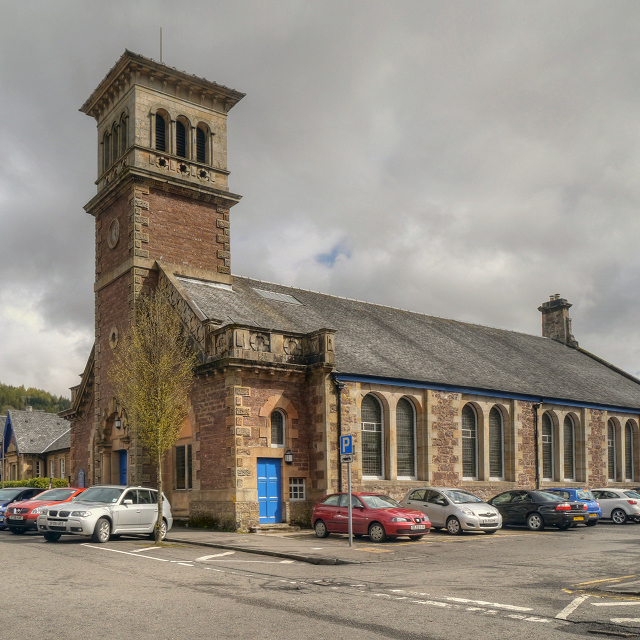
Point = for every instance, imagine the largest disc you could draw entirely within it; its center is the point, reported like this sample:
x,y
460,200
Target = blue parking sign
x,y
346,445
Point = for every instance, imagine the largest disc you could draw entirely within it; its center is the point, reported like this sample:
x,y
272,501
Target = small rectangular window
x,y
52,469
62,467
296,489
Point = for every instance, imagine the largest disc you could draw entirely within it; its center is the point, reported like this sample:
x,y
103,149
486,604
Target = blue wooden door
x,y
123,466
270,489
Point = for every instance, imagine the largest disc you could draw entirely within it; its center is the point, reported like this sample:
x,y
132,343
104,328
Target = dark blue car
x,y
14,494
594,512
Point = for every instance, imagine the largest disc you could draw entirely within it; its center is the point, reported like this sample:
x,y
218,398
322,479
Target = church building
x,y
283,372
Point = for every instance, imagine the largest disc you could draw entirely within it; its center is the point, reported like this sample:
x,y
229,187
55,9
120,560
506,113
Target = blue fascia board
x,y
399,382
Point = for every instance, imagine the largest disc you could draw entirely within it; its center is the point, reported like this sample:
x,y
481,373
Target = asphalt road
x,y
514,584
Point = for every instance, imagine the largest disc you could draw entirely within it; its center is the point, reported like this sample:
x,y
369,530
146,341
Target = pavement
x,y
301,546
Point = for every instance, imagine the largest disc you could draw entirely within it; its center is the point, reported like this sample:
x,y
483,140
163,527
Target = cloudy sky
x,y
461,159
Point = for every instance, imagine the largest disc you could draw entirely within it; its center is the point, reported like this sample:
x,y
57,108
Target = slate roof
x,y
383,342
39,432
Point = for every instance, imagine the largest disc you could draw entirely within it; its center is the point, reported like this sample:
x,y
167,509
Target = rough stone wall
x,y
445,438
525,445
597,448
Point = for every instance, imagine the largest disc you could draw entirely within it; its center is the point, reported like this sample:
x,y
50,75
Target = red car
x,y
373,514
23,516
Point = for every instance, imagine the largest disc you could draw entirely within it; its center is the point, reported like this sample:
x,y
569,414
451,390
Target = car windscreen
x,y
55,494
379,502
461,497
100,494
9,494
548,496
584,494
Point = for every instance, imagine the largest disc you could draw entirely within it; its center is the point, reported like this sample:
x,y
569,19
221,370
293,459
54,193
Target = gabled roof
x,y
36,431
387,343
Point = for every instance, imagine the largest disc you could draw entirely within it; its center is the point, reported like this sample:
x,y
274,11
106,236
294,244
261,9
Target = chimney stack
x,y
556,323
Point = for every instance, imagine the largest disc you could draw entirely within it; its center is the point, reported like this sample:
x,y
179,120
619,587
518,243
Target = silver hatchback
x,y
103,511
455,509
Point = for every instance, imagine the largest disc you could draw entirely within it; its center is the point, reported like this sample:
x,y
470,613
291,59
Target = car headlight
x,y
467,511
37,510
398,519
80,514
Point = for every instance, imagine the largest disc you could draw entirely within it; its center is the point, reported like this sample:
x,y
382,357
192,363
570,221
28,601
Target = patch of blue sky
x,y
329,259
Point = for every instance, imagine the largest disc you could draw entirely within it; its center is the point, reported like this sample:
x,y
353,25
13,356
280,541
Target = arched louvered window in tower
x,y
611,450
628,451
569,449
496,444
406,439
161,127
372,442
201,140
123,135
277,429
181,139
469,442
547,447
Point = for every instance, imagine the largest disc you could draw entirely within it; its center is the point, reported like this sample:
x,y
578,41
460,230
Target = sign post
x,y
346,455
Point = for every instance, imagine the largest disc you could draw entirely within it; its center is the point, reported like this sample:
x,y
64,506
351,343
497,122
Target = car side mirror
x,y
442,502
128,501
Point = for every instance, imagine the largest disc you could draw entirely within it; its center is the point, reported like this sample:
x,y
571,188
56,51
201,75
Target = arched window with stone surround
x,y
569,437
277,428
123,134
181,138
547,447
469,442
161,132
372,437
406,439
611,450
201,144
106,151
628,451
496,444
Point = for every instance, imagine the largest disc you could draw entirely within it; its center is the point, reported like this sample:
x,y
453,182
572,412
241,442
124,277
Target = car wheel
x,y
618,516
535,522
50,536
453,526
16,530
102,532
377,532
321,529
592,523
163,531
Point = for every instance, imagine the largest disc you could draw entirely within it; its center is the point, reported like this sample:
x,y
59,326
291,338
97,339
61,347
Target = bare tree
x,y
151,375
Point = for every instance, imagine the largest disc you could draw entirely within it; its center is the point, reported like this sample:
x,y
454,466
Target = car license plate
x,y
490,521
417,526
55,523
578,517
16,517
593,515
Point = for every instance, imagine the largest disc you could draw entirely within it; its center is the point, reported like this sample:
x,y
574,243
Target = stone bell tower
x,y
163,198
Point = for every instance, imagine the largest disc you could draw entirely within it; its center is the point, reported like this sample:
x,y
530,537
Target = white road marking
x,y
571,607
615,604
126,553
496,605
624,620
215,555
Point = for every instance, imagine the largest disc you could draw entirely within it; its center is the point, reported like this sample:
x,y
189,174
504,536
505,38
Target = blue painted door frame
x,y
269,473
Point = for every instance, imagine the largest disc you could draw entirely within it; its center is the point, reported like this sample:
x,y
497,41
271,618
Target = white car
x,y
103,511
618,505
455,509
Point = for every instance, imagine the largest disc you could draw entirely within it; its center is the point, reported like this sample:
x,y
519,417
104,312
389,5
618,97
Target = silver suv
x,y
103,511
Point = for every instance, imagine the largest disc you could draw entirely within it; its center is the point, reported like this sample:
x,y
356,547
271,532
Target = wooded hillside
x,y
19,398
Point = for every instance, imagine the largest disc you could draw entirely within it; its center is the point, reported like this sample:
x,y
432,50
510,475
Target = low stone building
x,y
35,445
284,372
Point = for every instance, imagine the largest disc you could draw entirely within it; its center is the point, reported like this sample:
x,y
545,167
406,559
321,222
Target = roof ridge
x,y
386,306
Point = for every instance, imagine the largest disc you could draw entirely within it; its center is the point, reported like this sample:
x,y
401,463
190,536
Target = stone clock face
x,y
114,233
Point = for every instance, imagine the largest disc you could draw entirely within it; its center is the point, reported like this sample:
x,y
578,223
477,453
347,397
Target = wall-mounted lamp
x,y
288,456
118,423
